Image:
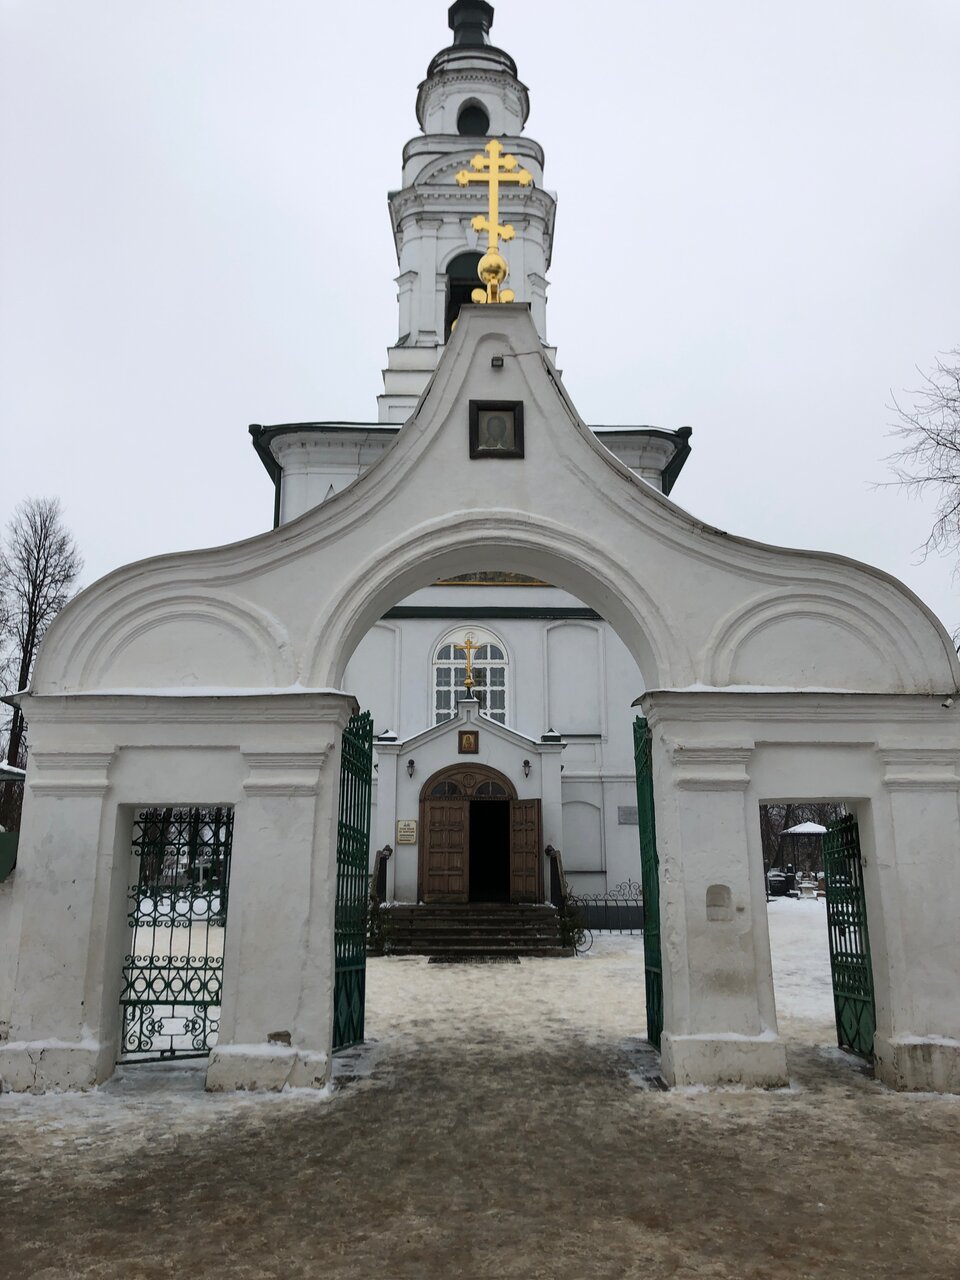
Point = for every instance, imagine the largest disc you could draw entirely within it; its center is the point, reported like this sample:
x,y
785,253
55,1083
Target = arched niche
x,y
462,279
473,120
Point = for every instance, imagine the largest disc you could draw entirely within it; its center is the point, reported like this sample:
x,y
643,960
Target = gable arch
x,y
495,540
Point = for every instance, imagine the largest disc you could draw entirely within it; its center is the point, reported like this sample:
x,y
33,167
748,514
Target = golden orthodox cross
x,y
495,169
468,647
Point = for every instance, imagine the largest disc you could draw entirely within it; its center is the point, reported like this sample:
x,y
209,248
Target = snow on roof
x,y
9,774
805,829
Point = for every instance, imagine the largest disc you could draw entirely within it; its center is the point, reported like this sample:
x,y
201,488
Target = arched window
x,y
462,279
489,660
473,121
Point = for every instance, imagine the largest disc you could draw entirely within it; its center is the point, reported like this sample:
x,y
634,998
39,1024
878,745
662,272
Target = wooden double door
x,y
478,842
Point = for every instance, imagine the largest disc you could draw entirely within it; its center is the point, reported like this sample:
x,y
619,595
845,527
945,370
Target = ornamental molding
x,y
794,706
247,712
71,774
283,773
710,768
442,84
417,199
921,769
71,761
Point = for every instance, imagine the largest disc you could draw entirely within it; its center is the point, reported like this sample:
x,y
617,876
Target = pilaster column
x,y
427,310
719,1026
61,1035
915,844
552,804
387,753
276,1017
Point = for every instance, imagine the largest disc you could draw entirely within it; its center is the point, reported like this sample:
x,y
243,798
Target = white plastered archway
x,y
749,654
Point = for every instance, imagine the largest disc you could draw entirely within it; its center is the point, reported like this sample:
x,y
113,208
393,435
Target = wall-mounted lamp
x,y
409,768
496,362
526,768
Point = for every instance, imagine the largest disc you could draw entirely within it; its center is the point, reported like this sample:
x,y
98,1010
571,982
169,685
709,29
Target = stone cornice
x,y
75,774
710,768
283,773
419,199
921,769
281,708
440,144
801,706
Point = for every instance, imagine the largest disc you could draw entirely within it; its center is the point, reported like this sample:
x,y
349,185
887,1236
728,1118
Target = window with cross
x,y
476,655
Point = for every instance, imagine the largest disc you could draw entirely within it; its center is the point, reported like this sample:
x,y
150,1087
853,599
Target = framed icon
x,y
468,742
496,428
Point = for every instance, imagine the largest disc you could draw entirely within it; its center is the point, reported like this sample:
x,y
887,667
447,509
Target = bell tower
x,y
471,94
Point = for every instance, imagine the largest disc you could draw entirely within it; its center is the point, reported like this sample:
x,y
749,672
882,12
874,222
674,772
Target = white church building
x,y
546,664
568,661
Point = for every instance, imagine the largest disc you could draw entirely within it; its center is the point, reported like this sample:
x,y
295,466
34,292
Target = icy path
x,y
498,1133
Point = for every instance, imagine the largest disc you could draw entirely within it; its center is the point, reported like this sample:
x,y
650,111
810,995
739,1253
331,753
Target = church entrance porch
x,y
479,843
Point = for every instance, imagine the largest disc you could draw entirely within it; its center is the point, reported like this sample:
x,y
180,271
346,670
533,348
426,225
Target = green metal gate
x,y
849,940
650,878
173,973
353,859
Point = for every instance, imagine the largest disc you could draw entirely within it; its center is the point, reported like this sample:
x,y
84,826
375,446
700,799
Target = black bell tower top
x,y
470,22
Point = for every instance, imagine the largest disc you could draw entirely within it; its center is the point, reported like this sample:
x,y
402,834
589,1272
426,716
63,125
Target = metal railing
x,y
617,910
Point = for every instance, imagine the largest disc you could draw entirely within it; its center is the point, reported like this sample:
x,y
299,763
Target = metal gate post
x,y
650,876
353,878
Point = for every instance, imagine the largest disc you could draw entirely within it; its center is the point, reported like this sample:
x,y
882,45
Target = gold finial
x,y
468,647
494,169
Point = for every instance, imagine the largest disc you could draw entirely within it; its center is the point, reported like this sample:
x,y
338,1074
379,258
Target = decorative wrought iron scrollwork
x,y
173,972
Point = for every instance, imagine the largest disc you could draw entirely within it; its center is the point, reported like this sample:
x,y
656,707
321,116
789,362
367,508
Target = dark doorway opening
x,y
490,851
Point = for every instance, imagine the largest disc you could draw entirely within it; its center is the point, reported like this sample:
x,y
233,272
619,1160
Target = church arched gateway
x,y
213,680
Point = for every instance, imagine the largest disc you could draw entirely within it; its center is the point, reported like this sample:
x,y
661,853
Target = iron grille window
x,y
489,680
177,914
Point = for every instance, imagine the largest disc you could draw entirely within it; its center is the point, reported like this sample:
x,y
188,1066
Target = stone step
x,y
484,949
473,929
484,926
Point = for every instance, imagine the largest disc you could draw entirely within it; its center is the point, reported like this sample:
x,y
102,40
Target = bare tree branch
x,y
39,564
929,456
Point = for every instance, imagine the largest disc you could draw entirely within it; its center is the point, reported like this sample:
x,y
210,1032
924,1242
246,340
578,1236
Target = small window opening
x,y
462,279
473,122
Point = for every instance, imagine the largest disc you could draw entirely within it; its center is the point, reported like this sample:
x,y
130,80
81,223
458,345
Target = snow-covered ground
x,y
500,1123
600,992
800,951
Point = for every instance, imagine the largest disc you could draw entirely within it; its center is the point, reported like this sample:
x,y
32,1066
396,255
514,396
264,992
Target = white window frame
x,y
483,668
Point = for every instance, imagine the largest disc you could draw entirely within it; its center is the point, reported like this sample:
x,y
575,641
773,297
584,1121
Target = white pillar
x,y
276,1022
551,804
917,890
717,982
385,833
64,1017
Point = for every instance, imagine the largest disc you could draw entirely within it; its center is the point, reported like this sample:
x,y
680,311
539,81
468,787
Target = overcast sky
x,y
758,236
